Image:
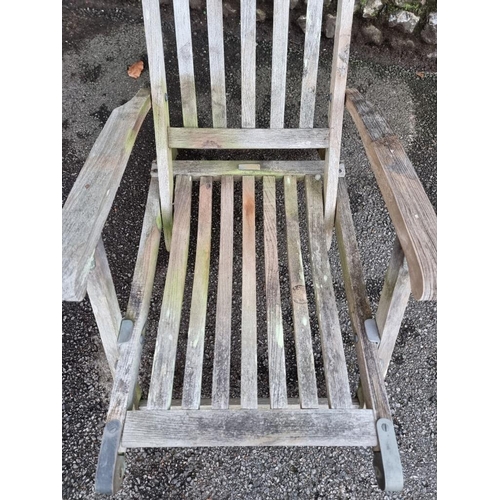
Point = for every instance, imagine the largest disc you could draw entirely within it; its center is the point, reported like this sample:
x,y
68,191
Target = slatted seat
x,y
221,420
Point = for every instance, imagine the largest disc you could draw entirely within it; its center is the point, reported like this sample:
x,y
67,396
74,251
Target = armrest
x,y
409,207
89,202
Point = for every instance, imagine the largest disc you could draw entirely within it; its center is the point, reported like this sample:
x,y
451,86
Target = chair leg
x,y
392,304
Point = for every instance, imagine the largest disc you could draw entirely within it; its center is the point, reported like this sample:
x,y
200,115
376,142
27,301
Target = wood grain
x,y
338,81
102,295
248,300
279,62
302,330
337,382
372,380
222,349
198,311
89,202
216,54
207,138
162,376
275,340
249,428
185,60
310,66
159,99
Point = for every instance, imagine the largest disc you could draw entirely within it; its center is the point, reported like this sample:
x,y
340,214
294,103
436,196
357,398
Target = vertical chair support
x,y
392,304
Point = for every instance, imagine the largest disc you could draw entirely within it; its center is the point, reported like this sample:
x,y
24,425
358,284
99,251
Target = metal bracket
x,y
372,331
125,333
387,462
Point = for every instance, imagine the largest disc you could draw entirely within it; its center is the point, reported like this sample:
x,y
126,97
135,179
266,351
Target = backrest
x,y
246,135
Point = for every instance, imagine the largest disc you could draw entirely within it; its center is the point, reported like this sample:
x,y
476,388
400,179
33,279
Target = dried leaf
x,y
135,70
420,74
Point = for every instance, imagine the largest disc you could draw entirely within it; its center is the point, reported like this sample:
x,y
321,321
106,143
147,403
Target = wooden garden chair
x,y
161,422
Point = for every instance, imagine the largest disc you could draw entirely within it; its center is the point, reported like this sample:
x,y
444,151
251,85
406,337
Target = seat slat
x,y
162,376
311,58
248,300
279,62
248,57
276,350
337,383
303,342
185,60
198,312
216,54
321,427
222,349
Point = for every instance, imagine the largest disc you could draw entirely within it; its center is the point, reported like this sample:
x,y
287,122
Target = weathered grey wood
x,y
336,110
372,380
311,58
225,138
249,428
275,341
185,61
278,77
248,300
222,348
216,54
248,57
198,311
409,207
337,382
127,369
89,202
162,376
392,304
217,169
303,343
102,295
156,65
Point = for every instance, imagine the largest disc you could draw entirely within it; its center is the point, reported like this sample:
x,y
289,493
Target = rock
x,y
404,21
373,34
301,21
372,8
406,3
261,15
402,44
432,55
294,4
196,4
228,10
429,33
330,23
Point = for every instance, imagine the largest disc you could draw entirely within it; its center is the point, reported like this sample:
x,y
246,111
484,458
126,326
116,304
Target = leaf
x,y
420,74
136,69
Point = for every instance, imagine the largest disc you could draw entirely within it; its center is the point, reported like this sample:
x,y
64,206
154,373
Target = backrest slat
x,y
311,57
216,53
248,53
280,49
336,110
185,60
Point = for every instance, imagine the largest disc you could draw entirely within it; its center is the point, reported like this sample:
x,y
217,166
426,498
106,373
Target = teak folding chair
x,y
340,420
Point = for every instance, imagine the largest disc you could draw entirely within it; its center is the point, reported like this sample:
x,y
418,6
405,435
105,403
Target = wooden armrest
x,y
409,207
92,195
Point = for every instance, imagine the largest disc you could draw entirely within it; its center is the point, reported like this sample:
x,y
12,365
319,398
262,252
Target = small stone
x,y
301,21
429,33
402,44
404,21
228,10
261,15
373,34
432,55
196,4
330,23
372,8
294,4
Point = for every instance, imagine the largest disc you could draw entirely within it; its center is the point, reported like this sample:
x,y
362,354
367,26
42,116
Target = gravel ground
x,y
98,45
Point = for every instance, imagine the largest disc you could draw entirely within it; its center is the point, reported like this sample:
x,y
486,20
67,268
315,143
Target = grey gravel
x,y
94,82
